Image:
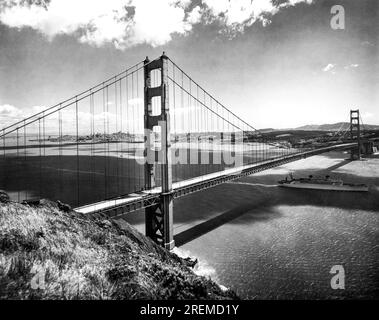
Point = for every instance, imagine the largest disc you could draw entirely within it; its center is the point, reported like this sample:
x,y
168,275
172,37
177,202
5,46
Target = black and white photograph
x,y
189,150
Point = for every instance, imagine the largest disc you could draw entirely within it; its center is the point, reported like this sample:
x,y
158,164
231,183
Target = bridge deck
x,y
146,198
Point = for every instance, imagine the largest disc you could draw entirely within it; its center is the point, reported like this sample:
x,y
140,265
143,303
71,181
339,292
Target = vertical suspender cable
x,y
77,150
198,131
18,168
92,140
134,133
140,178
129,159
44,145
4,161
108,164
117,136
105,146
60,149
183,120
177,143
25,162
190,131
40,159
121,156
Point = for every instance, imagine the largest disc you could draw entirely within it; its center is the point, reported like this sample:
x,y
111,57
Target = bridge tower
x,y
355,132
158,218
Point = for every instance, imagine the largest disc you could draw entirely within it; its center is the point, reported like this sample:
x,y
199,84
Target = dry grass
x,y
86,258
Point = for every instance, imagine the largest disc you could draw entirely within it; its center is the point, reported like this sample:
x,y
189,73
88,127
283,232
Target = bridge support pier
x,y
158,218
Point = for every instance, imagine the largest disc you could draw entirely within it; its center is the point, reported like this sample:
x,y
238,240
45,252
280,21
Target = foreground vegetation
x,y
46,253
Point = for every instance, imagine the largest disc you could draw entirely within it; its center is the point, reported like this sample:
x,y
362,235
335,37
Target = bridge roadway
x,y
142,199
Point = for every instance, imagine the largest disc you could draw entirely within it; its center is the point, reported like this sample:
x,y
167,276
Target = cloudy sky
x,y
277,63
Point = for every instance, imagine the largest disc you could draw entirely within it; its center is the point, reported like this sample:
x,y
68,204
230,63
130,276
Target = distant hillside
x,y
268,130
334,127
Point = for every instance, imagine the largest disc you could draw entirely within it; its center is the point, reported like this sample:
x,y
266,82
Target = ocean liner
x,y
317,183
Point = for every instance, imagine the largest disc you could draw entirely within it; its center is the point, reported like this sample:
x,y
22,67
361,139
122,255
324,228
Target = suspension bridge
x,y
141,139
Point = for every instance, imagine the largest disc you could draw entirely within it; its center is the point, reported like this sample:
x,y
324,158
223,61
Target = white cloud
x,y
352,66
123,22
367,115
329,67
9,111
155,21
195,15
237,14
61,16
10,114
127,23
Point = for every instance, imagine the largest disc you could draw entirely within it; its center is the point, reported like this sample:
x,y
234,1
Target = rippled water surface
x,y
268,242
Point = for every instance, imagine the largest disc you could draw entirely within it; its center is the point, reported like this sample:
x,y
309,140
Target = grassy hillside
x,y
84,258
